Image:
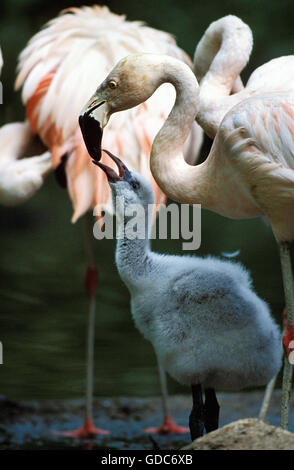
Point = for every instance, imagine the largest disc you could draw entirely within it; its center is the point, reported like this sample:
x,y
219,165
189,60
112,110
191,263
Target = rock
x,y
245,434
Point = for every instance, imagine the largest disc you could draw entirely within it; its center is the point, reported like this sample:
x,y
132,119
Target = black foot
x,y
197,415
211,410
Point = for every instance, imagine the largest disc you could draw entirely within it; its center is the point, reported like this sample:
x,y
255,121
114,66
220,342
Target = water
x,y
44,305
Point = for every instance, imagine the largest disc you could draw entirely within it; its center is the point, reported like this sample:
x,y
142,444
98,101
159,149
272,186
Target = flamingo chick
x,y
207,325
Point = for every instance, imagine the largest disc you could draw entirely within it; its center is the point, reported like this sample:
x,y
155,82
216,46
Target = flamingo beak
x,y
93,118
123,173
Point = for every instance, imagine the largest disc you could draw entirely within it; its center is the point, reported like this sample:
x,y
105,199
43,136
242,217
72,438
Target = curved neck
x,y
179,180
219,58
222,54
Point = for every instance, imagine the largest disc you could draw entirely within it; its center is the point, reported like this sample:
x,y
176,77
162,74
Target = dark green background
x,y
42,299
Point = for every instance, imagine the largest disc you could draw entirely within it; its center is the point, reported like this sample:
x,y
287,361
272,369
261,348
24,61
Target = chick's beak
x,y
93,118
123,173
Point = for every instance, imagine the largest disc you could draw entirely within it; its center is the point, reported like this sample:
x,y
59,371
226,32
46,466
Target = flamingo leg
x,y
88,429
197,415
289,300
163,387
211,410
267,398
168,426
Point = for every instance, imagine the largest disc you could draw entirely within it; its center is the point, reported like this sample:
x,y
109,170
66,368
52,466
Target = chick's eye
x,y
112,84
135,184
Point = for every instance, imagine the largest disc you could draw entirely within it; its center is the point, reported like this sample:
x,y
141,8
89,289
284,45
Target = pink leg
x,y
168,426
88,429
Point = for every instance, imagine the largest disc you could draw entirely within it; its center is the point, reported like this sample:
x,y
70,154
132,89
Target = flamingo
x,y
21,178
57,71
206,323
248,172
219,58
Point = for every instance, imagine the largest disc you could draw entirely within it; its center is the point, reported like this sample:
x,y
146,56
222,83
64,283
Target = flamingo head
x,y
131,82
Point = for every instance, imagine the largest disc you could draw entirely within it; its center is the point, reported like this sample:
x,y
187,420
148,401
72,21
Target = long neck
x,y
219,58
133,255
179,180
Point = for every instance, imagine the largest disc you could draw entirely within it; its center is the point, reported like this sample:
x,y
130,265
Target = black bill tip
x,y
92,135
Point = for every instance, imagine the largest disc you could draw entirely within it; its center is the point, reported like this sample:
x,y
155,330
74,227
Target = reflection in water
x,y
44,306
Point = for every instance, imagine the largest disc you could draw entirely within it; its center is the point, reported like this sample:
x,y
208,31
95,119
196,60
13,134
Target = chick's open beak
x,y
123,173
93,118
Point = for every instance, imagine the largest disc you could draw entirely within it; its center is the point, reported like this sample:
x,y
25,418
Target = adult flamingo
x,y
248,172
220,56
58,71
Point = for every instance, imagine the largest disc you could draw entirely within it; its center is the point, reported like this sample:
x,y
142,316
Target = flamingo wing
x,y
258,150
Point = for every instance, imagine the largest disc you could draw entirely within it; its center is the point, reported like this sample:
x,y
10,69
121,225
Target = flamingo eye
x,y
135,184
112,84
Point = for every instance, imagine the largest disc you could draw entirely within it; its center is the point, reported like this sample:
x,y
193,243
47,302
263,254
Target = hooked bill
x,y
92,135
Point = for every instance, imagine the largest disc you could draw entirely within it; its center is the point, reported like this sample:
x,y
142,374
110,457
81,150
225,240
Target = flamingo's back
x,y
254,152
60,69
